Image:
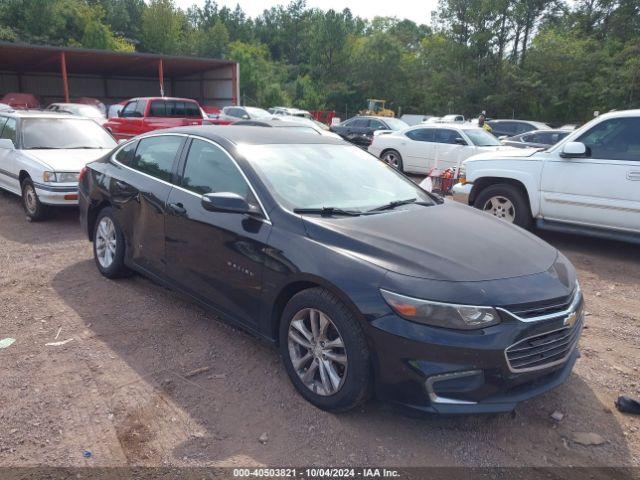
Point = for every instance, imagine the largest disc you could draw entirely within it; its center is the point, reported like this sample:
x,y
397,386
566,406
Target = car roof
x,y
180,99
37,114
459,126
246,134
274,122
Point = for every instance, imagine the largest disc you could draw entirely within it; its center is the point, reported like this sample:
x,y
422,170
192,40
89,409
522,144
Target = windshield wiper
x,y
394,204
328,211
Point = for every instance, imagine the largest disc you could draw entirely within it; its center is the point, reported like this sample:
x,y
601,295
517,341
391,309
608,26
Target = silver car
x,y
41,155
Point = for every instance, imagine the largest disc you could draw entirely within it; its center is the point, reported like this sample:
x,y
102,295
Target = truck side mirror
x,y
574,150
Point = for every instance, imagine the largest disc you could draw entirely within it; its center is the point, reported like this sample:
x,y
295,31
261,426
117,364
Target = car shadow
x,y
63,224
187,389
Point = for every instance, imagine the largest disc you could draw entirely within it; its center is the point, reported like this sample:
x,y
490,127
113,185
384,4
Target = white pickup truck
x,y
588,183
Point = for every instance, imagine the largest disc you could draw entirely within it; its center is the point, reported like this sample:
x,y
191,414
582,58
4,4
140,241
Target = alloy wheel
x,y
106,242
392,159
500,207
317,351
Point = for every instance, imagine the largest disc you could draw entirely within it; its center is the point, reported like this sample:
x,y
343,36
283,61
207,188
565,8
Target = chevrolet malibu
x,y
41,155
367,284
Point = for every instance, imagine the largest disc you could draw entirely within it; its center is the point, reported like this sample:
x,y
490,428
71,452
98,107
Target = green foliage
x,y
552,60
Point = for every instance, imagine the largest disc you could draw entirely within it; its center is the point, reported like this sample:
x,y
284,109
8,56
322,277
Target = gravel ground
x,y
147,378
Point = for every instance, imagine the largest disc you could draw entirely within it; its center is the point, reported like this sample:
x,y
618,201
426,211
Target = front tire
x,y
393,158
324,351
507,202
108,245
34,209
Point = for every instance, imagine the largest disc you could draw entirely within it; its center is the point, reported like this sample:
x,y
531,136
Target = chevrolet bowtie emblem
x,y
570,319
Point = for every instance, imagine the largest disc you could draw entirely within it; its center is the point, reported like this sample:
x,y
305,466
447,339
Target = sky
x,y
417,10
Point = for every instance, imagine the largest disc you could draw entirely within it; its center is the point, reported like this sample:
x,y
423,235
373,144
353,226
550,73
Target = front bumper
x,y
58,195
436,370
461,192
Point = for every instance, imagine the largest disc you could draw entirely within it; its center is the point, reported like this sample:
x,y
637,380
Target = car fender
x,y
525,173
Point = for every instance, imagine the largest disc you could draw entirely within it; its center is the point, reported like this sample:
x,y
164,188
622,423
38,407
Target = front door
x,y
216,256
602,189
449,153
8,166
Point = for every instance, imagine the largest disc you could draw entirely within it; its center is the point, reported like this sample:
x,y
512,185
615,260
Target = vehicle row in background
x,y
360,129
536,138
291,123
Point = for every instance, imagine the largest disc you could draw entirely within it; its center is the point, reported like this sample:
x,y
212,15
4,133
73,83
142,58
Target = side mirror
x,y
228,202
461,141
574,150
7,144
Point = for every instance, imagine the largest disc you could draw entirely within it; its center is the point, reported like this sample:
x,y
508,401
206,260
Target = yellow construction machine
x,y
376,107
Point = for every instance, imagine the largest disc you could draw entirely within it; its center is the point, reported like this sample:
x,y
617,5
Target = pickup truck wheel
x,y
507,202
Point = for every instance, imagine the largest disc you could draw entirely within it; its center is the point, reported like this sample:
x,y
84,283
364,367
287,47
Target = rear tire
x,y
393,158
34,209
109,245
329,363
506,202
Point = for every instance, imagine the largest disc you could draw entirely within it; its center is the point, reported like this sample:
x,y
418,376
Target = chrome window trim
x,y
266,218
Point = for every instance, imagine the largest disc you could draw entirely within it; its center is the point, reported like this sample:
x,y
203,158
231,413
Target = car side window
x,y
125,154
531,138
615,139
523,127
140,108
360,123
9,130
192,110
129,109
209,170
3,120
377,124
158,109
421,134
179,110
444,135
155,155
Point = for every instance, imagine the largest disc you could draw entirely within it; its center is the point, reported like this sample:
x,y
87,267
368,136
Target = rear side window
x,y
155,155
125,154
192,110
421,134
157,109
377,124
9,130
209,169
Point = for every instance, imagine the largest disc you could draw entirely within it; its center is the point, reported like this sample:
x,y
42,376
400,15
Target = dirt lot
x,y
126,385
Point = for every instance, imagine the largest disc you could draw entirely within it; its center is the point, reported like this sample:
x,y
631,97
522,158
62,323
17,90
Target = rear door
x,y
418,150
449,153
216,256
139,188
9,167
602,189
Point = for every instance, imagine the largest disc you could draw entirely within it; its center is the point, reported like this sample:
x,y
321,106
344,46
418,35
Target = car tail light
x,y
82,173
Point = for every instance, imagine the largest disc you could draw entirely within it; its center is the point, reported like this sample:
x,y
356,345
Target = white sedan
x,y
423,147
41,155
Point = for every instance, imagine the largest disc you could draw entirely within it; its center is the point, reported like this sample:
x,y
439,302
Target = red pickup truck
x,y
141,115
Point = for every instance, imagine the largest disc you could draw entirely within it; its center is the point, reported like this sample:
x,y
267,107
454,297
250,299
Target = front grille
x,y
544,350
546,308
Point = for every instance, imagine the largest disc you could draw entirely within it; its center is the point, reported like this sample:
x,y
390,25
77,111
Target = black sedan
x,y
360,130
536,139
366,283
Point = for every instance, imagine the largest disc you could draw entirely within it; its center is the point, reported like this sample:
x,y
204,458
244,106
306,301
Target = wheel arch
x,y
92,215
524,184
295,286
23,175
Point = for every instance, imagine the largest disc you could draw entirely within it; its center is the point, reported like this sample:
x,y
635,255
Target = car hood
x,y
450,242
63,160
495,148
501,153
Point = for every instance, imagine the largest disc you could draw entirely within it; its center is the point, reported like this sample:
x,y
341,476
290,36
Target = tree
x,y
162,27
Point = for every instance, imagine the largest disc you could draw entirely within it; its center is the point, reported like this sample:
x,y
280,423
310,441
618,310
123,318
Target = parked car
x,y
452,119
510,128
423,147
569,126
536,138
5,107
141,115
411,119
233,114
365,282
359,130
587,183
94,102
115,109
294,112
21,101
79,109
42,153
295,124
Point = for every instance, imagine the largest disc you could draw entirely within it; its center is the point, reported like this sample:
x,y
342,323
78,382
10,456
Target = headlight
x,y
60,177
446,315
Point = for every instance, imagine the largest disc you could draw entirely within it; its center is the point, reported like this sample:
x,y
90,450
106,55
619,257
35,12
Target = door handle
x,y
634,176
177,209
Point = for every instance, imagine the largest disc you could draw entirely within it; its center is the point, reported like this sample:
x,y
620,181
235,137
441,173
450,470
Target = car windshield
x,y
481,138
257,112
57,133
396,124
330,176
